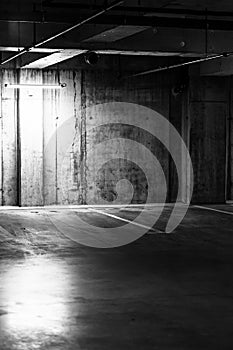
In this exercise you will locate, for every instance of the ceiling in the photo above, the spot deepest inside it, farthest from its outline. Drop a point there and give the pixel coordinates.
(36, 34)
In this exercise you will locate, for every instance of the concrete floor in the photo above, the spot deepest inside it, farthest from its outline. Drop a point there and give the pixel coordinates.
(161, 292)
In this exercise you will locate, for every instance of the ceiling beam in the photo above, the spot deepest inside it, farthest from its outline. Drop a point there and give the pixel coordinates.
(163, 40)
(52, 59)
(33, 54)
(138, 9)
(116, 33)
(116, 20)
(191, 42)
(146, 53)
(156, 21)
(42, 50)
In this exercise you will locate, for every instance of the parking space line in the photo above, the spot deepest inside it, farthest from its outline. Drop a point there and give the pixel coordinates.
(212, 209)
(120, 219)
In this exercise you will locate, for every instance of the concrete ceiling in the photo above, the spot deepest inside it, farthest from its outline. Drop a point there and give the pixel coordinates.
(186, 28)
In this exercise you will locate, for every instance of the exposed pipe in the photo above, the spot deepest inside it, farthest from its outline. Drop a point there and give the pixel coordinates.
(67, 5)
(176, 22)
(160, 69)
(127, 19)
(42, 42)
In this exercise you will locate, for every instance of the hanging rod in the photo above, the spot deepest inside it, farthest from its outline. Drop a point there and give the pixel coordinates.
(45, 41)
(178, 65)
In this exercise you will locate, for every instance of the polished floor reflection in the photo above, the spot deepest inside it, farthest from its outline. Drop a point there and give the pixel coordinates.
(160, 292)
(34, 301)
(35, 291)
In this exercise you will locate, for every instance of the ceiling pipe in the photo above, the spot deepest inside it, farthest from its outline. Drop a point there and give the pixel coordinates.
(176, 22)
(42, 42)
(178, 65)
(132, 20)
(66, 5)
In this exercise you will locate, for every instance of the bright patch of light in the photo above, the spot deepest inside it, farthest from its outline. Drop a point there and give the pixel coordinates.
(35, 86)
(35, 295)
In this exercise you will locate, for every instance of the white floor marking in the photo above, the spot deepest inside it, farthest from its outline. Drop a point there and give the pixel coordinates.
(212, 209)
(120, 219)
(87, 206)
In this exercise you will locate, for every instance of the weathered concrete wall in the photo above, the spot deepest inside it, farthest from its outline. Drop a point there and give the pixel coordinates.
(47, 173)
(8, 145)
(32, 173)
(209, 112)
(153, 92)
(102, 88)
(230, 143)
(31, 140)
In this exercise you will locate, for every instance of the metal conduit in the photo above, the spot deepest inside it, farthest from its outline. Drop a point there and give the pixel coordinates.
(173, 66)
(42, 42)
(144, 9)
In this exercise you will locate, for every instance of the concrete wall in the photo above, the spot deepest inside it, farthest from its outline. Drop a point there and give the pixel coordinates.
(209, 135)
(230, 144)
(42, 163)
(34, 168)
(8, 148)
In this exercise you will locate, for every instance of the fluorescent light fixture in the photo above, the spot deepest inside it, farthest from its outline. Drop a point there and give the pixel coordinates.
(39, 86)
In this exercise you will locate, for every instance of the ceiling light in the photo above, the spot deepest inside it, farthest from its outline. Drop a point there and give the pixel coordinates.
(39, 86)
